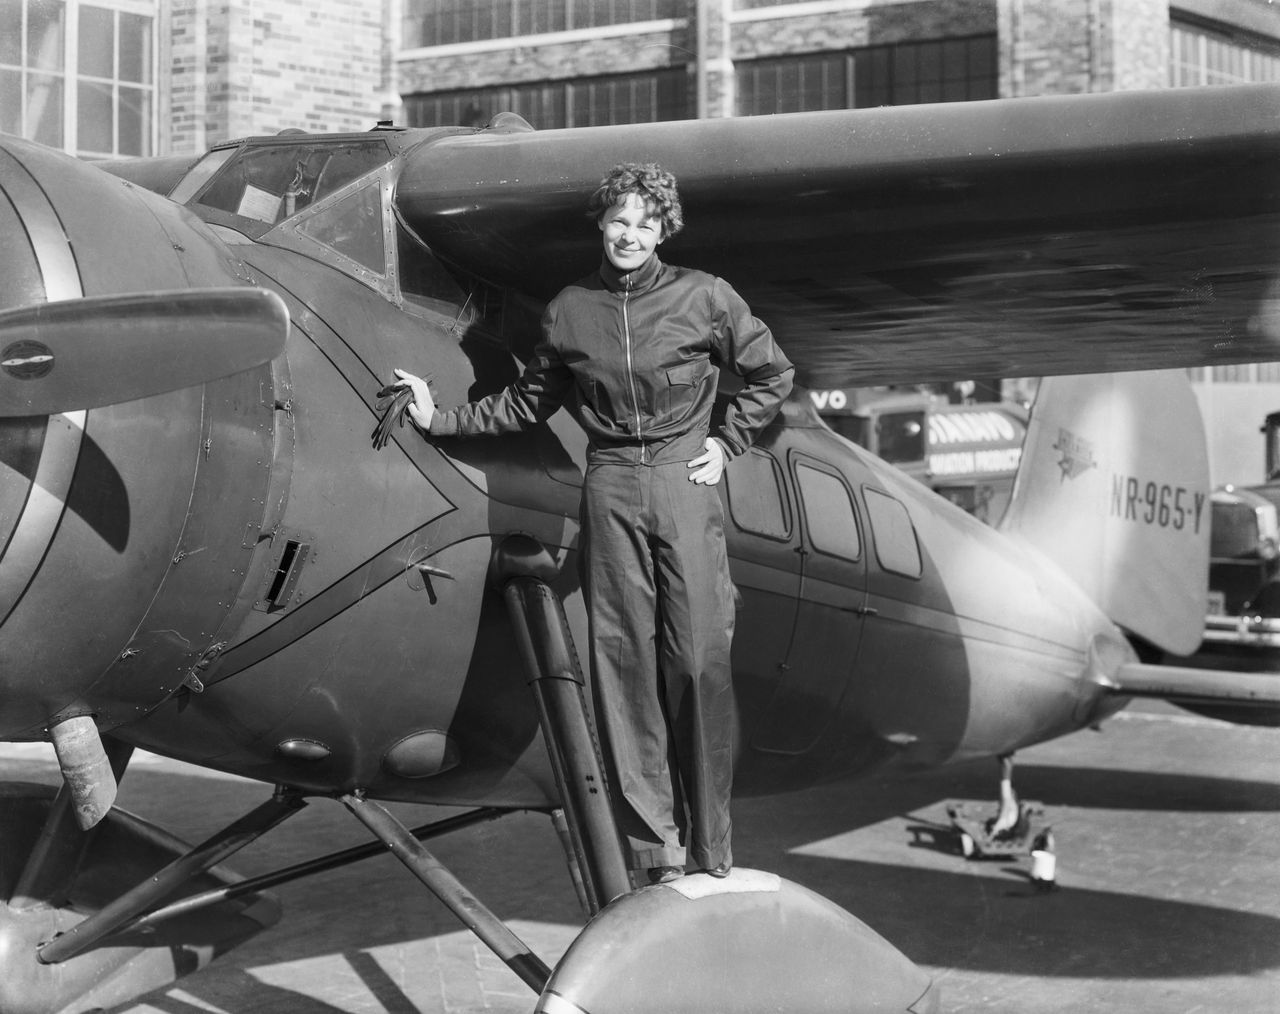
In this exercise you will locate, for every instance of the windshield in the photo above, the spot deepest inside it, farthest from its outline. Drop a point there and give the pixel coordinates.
(263, 184)
(329, 199)
(1243, 524)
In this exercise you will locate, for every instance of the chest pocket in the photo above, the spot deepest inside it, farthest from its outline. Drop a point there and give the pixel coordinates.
(681, 388)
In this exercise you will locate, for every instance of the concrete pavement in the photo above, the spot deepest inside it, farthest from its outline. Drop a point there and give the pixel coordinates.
(1168, 844)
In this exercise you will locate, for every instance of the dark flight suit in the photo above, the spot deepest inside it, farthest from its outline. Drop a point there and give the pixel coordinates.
(640, 353)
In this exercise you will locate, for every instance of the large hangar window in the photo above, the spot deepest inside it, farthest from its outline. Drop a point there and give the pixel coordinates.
(583, 102)
(78, 76)
(1203, 54)
(905, 73)
(445, 22)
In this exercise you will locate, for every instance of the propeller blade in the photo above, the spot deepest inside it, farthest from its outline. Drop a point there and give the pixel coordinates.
(103, 350)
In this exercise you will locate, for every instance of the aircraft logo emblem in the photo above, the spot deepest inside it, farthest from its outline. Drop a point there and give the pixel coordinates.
(1077, 454)
(27, 360)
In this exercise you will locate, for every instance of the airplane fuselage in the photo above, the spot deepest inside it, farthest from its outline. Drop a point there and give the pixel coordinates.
(238, 580)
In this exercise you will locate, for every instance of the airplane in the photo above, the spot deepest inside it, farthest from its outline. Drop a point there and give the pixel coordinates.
(202, 555)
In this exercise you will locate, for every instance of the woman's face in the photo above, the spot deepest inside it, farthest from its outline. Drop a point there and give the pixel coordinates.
(631, 233)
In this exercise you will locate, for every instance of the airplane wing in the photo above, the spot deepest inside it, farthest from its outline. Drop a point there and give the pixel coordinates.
(1023, 237)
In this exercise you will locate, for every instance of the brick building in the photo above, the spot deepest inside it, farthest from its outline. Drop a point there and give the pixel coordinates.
(130, 77)
(144, 77)
(577, 63)
(158, 77)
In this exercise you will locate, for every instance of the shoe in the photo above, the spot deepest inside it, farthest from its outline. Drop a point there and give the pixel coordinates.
(719, 872)
(665, 874)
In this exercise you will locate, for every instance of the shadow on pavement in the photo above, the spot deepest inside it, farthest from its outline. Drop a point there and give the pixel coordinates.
(981, 923)
(987, 919)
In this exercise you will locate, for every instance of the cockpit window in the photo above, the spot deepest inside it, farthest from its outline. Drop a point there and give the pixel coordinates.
(201, 173)
(423, 279)
(268, 183)
(353, 227)
(329, 200)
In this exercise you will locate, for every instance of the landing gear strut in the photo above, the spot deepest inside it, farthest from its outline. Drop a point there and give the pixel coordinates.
(751, 942)
(54, 955)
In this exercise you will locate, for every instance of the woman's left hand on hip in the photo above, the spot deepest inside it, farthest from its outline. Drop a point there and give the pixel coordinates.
(707, 468)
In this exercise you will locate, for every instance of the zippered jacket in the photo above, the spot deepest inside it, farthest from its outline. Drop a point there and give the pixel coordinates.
(637, 354)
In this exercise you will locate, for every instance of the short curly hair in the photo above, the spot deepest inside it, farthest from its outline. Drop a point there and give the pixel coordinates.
(648, 181)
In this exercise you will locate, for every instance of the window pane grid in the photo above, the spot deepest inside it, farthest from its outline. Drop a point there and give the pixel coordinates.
(445, 22)
(1202, 57)
(86, 61)
(1244, 373)
(624, 98)
(951, 70)
(115, 97)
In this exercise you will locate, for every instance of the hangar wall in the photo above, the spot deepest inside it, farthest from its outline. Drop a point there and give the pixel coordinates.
(143, 77)
(240, 67)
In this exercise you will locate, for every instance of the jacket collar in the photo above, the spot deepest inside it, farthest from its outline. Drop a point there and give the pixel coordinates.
(639, 280)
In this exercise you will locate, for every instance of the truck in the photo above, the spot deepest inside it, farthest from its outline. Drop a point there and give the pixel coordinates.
(967, 453)
(1242, 615)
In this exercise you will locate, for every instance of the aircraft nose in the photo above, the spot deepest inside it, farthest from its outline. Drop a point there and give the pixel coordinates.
(115, 374)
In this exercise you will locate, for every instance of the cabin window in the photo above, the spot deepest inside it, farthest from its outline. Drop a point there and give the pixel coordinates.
(829, 513)
(757, 497)
(897, 549)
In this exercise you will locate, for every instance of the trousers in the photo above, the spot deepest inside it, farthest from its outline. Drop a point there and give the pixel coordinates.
(661, 614)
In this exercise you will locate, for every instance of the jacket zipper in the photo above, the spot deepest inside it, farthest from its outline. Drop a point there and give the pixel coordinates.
(631, 375)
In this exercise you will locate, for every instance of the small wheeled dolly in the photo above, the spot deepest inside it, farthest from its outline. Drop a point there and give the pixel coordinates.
(979, 841)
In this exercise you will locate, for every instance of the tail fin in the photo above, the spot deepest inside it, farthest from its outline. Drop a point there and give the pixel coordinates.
(1114, 487)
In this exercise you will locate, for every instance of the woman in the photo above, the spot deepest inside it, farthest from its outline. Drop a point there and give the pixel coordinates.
(637, 344)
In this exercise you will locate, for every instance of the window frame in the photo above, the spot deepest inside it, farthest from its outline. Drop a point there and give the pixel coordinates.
(815, 465)
(1259, 56)
(556, 104)
(784, 498)
(868, 492)
(883, 74)
(67, 82)
(425, 24)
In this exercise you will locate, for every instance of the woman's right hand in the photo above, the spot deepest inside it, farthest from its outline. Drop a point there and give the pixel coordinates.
(423, 406)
